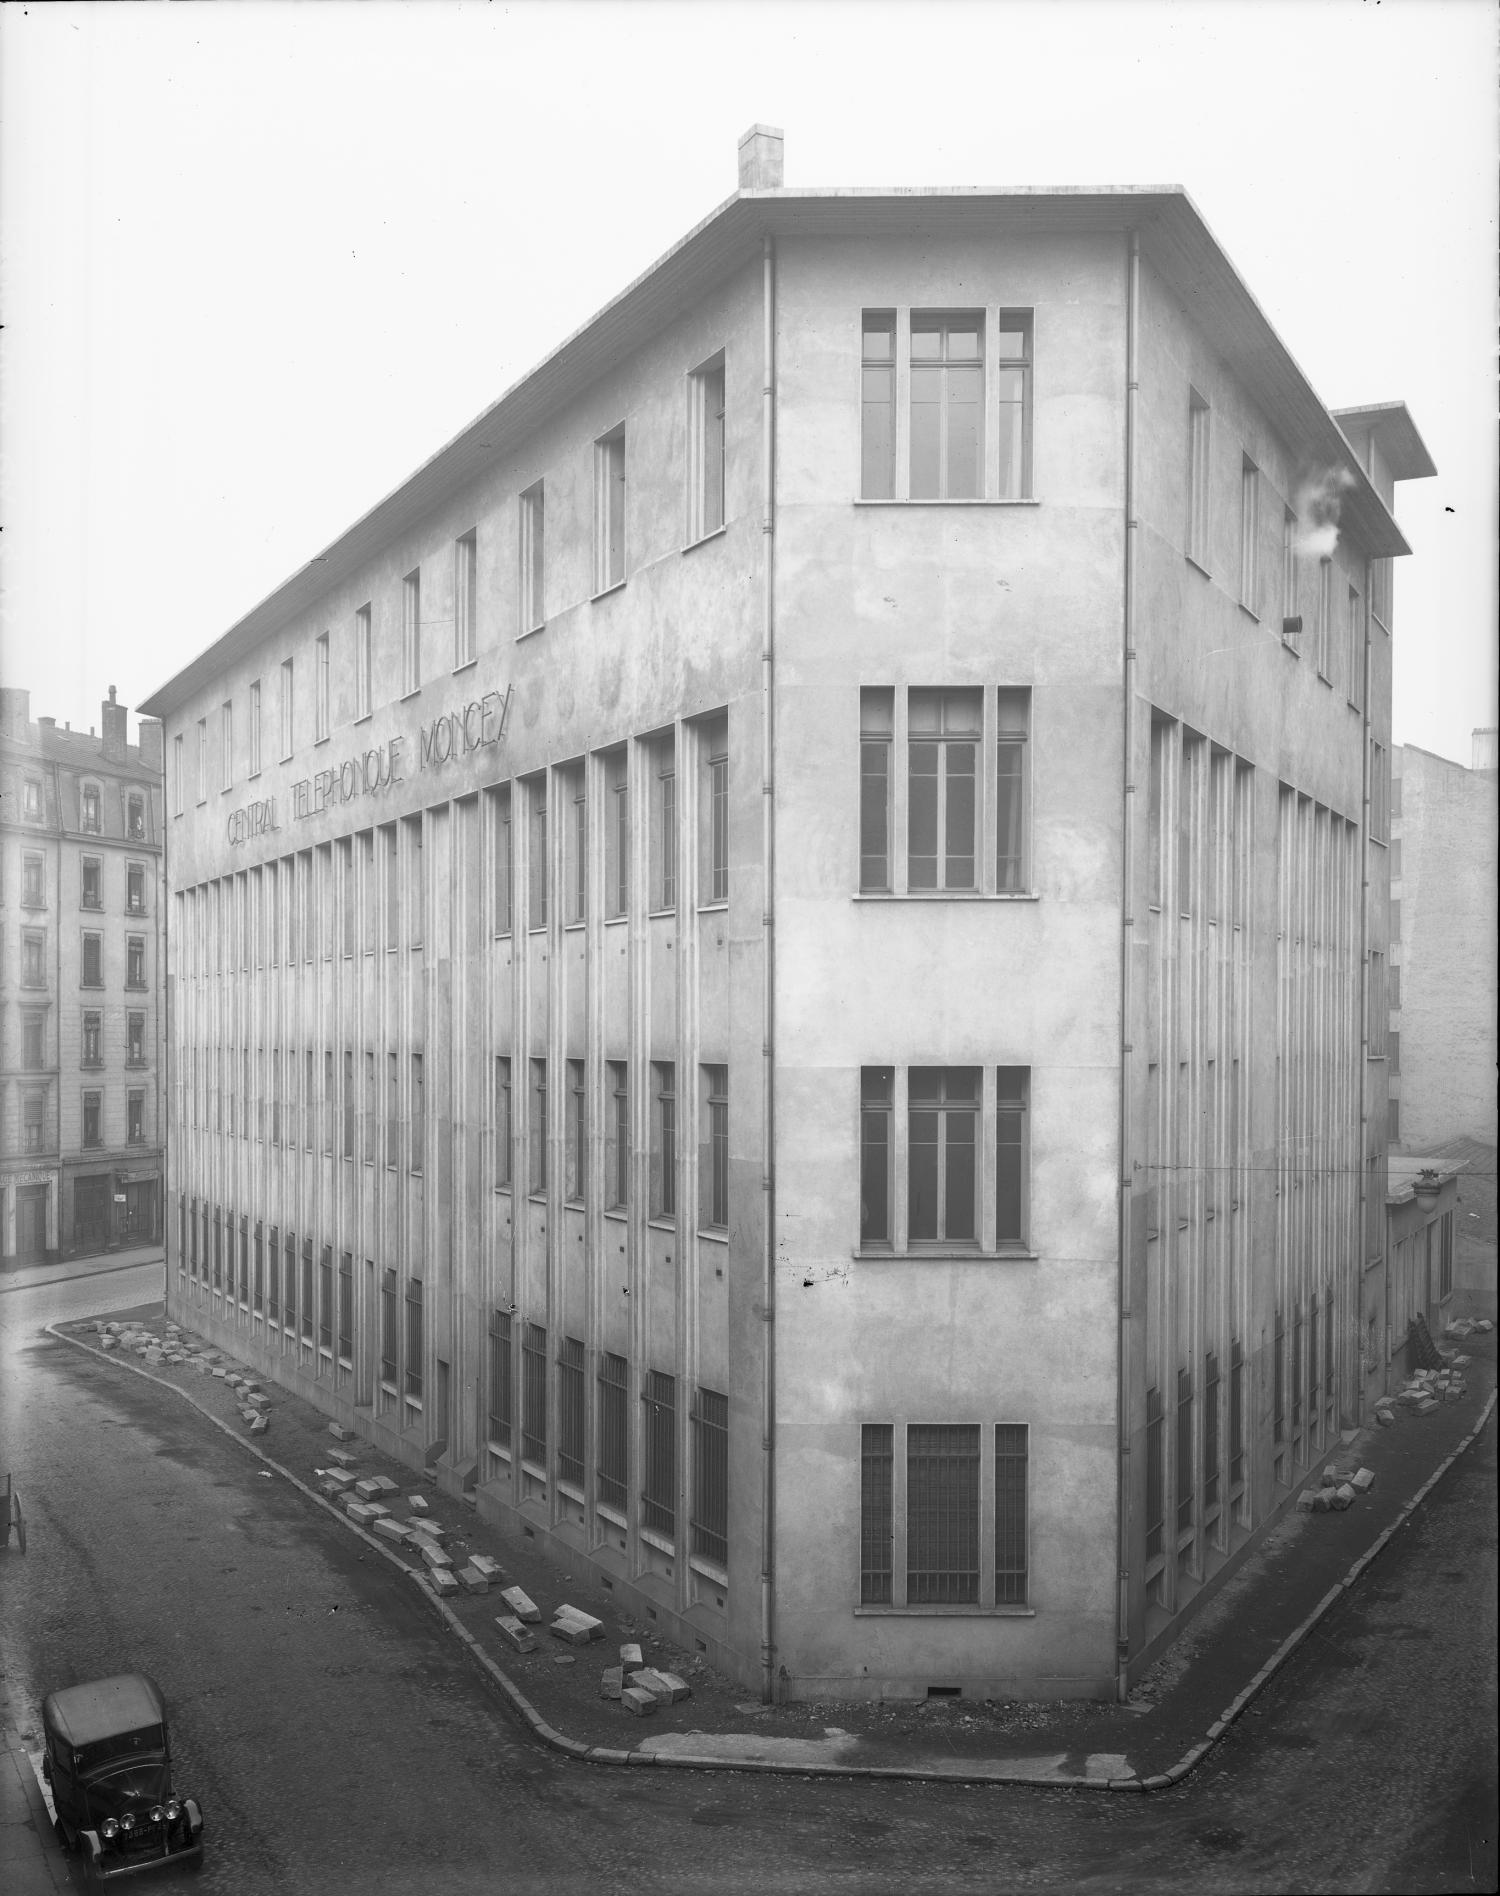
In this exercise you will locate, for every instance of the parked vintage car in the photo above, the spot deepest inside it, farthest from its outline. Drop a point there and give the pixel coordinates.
(106, 1766)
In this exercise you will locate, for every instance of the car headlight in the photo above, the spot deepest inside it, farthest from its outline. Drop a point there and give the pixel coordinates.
(173, 1810)
(109, 1828)
(127, 1820)
(157, 1813)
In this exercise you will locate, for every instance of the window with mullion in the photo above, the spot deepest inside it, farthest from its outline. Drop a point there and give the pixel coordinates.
(659, 1486)
(570, 1406)
(613, 1471)
(1011, 1094)
(944, 730)
(1013, 721)
(942, 1514)
(501, 1389)
(943, 1106)
(947, 406)
(1011, 1564)
(1013, 404)
(876, 1513)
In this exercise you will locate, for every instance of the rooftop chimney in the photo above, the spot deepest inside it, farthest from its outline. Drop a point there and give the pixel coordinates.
(113, 727)
(148, 736)
(760, 158)
(1486, 748)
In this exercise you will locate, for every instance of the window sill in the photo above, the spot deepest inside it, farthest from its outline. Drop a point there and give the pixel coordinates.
(708, 1570)
(1324, 679)
(661, 914)
(715, 533)
(944, 895)
(573, 1492)
(575, 927)
(364, 717)
(619, 1213)
(612, 1515)
(531, 632)
(945, 1612)
(1197, 565)
(611, 919)
(946, 1254)
(1250, 612)
(407, 696)
(659, 1222)
(659, 1541)
(714, 1234)
(714, 908)
(615, 585)
(1019, 500)
(319, 742)
(467, 664)
(534, 1469)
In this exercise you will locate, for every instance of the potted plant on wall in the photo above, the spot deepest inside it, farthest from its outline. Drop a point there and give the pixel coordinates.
(1427, 1184)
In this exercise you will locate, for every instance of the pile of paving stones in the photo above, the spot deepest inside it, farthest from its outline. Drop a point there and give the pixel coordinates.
(1337, 1489)
(1468, 1326)
(1426, 1390)
(176, 1347)
(641, 1688)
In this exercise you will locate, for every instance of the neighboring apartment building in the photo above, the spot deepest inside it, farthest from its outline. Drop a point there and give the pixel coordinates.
(769, 974)
(1442, 955)
(80, 882)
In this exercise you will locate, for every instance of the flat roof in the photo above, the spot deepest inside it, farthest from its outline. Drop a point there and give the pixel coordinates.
(1392, 426)
(1173, 235)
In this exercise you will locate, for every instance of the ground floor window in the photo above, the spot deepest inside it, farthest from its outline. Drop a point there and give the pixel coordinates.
(923, 1494)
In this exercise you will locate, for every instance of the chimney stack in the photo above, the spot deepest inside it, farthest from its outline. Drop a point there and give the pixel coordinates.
(15, 713)
(1485, 743)
(149, 738)
(113, 727)
(761, 158)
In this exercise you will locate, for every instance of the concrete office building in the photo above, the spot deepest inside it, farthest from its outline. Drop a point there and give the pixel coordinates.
(768, 958)
(80, 880)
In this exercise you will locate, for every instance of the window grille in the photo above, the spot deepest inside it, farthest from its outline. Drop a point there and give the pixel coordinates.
(613, 1473)
(1010, 1513)
(1297, 1371)
(289, 1283)
(273, 1276)
(1236, 1414)
(1155, 1485)
(258, 1294)
(710, 1519)
(308, 1312)
(942, 1513)
(502, 1394)
(717, 1179)
(1184, 1450)
(1278, 1380)
(388, 1329)
(534, 1394)
(346, 1307)
(414, 1339)
(244, 1260)
(570, 1430)
(659, 1491)
(1210, 1431)
(876, 1513)
(325, 1298)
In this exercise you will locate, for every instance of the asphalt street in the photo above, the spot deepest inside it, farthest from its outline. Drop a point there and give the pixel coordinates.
(339, 1740)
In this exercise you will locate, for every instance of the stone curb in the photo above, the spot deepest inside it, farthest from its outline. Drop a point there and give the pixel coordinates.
(685, 1761)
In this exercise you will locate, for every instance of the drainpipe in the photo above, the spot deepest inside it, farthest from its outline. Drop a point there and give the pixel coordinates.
(1365, 787)
(768, 976)
(1127, 893)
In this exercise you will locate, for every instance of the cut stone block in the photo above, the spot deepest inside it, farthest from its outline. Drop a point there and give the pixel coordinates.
(340, 1477)
(358, 1511)
(471, 1579)
(611, 1682)
(340, 1433)
(325, 1486)
(109, 1343)
(260, 1425)
(1453, 1394)
(486, 1564)
(677, 1686)
(425, 1524)
(577, 1617)
(1426, 1406)
(570, 1632)
(522, 1605)
(379, 1512)
(443, 1583)
(384, 1484)
(435, 1557)
(342, 1457)
(648, 1679)
(1323, 1501)
(369, 1488)
(417, 1503)
(1308, 1499)
(634, 1700)
(1343, 1496)
(1385, 1418)
(631, 1656)
(563, 1659)
(1363, 1481)
(390, 1530)
(234, 1381)
(515, 1633)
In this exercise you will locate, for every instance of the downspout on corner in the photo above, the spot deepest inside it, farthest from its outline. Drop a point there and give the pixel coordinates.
(768, 973)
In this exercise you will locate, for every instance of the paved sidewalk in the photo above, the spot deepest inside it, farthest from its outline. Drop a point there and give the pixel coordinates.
(14, 1276)
(1174, 1715)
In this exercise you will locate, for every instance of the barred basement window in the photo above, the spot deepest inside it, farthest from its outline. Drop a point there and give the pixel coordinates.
(1155, 1485)
(570, 1430)
(534, 1394)
(388, 1331)
(308, 1313)
(1184, 1450)
(942, 1514)
(1011, 1446)
(1236, 1414)
(1210, 1433)
(346, 1309)
(876, 1515)
(659, 1487)
(502, 1393)
(414, 1343)
(710, 1516)
(613, 1472)
(325, 1299)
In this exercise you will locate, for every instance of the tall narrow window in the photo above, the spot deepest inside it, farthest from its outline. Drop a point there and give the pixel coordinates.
(1198, 483)
(578, 847)
(322, 687)
(346, 1310)
(618, 1154)
(876, 1103)
(348, 1104)
(93, 1040)
(1012, 1085)
(411, 632)
(609, 510)
(362, 661)
(1010, 1513)
(466, 599)
(255, 727)
(1291, 625)
(135, 1118)
(532, 558)
(203, 760)
(1013, 409)
(570, 1428)
(226, 745)
(504, 863)
(947, 406)
(1354, 645)
(663, 1139)
(1012, 866)
(715, 813)
(135, 819)
(135, 961)
(534, 1394)
(388, 1327)
(878, 405)
(876, 729)
(942, 1134)
(710, 1516)
(34, 882)
(942, 1514)
(1323, 631)
(392, 1111)
(612, 1475)
(943, 760)
(538, 1168)
(1249, 533)
(418, 1113)
(135, 889)
(714, 1166)
(92, 974)
(706, 449)
(501, 1391)
(876, 1513)
(576, 1136)
(536, 798)
(664, 828)
(178, 793)
(617, 835)
(659, 1486)
(502, 1111)
(414, 1359)
(286, 709)
(91, 808)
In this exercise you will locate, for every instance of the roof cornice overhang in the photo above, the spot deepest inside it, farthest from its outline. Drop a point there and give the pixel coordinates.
(1173, 235)
(1393, 428)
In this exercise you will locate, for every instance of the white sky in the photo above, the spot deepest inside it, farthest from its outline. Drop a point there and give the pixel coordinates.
(261, 259)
